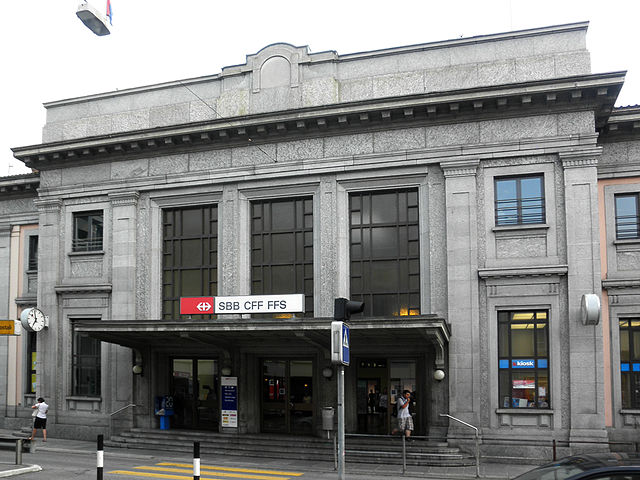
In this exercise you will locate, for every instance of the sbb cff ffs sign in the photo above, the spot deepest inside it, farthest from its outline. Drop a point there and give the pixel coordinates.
(196, 305)
(241, 304)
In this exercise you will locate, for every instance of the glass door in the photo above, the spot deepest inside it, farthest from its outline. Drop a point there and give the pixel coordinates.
(402, 377)
(195, 390)
(287, 396)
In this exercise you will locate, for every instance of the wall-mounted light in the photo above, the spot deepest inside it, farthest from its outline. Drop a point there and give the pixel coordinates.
(225, 371)
(327, 372)
(438, 375)
(137, 369)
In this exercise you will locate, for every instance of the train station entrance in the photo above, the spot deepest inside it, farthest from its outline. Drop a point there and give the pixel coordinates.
(195, 388)
(379, 382)
(287, 396)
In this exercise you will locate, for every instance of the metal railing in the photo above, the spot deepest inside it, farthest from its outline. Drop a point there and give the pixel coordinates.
(477, 439)
(111, 415)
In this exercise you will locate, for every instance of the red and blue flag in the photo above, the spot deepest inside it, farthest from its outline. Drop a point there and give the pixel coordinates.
(109, 12)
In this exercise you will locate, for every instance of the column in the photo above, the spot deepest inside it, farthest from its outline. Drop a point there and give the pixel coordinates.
(462, 288)
(586, 368)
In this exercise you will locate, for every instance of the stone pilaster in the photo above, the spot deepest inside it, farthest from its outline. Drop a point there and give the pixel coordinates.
(462, 287)
(123, 270)
(583, 258)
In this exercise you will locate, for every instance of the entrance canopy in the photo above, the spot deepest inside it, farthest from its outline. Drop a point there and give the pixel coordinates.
(410, 333)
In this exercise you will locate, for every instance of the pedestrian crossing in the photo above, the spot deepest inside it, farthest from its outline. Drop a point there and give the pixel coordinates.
(184, 471)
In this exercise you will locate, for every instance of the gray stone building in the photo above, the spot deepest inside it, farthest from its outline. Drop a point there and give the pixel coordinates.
(451, 186)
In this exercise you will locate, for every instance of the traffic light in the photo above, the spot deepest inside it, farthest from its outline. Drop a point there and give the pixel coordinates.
(343, 308)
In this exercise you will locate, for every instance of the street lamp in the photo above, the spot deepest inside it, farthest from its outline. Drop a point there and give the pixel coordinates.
(92, 19)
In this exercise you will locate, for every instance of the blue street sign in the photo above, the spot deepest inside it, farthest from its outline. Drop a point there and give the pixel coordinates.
(346, 340)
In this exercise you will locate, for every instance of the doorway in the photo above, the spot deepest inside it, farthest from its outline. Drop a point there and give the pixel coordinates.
(379, 382)
(287, 396)
(195, 389)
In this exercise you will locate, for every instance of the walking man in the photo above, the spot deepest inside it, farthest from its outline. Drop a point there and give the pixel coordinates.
(405, 420)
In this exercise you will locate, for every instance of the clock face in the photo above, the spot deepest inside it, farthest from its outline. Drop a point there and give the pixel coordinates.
(33, 319)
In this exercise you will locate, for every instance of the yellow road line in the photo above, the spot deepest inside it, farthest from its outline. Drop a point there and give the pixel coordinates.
(232, 469)
(219, 474)
(157, 475)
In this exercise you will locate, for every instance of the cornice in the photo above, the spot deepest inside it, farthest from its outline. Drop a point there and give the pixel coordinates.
(460, 168)
(621, 284)
(124, 198)
(583, 157)
(536, 271)
(590, 92)
(48, 204)
(84, 288)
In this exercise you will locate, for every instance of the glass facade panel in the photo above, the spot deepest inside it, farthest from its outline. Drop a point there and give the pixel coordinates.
(190, 256)
(385, 252)
(86, 366)
(523, 361)
(282, 248)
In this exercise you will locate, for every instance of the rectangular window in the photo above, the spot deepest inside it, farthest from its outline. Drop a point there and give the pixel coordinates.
(630, 362)
(519, 200)
(189, 257)
(87, 231)
(282, 248)
(32, 357)
(523, 359)
(385, 252)
(33, 253)
(627, 222)
(86, 365)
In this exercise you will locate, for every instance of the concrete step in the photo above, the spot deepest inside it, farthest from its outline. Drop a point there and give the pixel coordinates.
(383, 449)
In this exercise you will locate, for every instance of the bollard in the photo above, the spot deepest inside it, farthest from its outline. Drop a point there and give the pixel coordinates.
(404, 452)
(196, 460)
(19, 451)
(100, 457)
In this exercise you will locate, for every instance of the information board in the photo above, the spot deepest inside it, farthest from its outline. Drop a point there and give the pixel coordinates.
(229, 396)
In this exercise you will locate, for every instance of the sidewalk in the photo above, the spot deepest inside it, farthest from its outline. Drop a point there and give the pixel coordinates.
(488, 471)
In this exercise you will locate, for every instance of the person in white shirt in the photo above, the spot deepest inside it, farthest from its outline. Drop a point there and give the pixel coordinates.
(41, 419)
(405, 420)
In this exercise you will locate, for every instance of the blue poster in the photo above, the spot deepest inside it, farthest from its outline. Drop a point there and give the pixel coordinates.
(229, 397)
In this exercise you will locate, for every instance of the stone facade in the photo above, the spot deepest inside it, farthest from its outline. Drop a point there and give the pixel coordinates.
(446, 119)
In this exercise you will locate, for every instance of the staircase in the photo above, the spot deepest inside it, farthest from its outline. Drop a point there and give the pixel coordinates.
(371, 449)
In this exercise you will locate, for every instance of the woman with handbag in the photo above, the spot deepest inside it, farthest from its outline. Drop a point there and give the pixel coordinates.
(40, 414)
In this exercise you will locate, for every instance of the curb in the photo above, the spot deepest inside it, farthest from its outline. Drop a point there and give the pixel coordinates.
(20, 470)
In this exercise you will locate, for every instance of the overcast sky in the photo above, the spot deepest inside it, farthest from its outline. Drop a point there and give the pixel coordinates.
(48, 54)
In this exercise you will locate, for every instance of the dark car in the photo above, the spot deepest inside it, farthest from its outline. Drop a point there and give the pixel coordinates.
(600, 466)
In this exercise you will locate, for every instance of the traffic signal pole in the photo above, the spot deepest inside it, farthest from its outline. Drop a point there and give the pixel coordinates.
(341, 446)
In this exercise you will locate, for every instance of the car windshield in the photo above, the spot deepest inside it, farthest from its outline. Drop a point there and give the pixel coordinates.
(552, 472)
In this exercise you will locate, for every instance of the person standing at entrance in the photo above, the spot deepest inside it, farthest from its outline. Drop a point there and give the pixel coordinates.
(405, 421)
(41, 419)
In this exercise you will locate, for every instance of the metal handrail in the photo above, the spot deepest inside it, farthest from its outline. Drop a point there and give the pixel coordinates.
(116, 412)
(477, 439)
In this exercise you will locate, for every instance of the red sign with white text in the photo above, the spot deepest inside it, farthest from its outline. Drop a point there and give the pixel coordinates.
(196, 305)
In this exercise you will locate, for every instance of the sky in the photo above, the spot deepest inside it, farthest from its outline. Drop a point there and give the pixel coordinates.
(48, 54)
